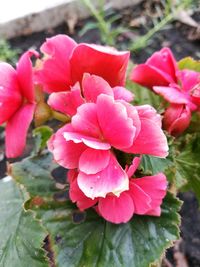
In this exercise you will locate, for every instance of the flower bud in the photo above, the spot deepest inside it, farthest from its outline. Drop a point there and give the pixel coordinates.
(176, 119)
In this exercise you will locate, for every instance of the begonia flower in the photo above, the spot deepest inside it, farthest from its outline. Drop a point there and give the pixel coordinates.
(17, 103)
(160, 69)
(65, 63)
(143, 197)
(181, 88)
(99, 127)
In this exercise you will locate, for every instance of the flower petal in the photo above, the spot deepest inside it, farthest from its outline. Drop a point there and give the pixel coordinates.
(16, 130)
(133, 167)
(112, 179)
(142, 201)
(86, 122)
(155, 187)
(148, 76)
(151, 140)
(10, 95)
(88, 141)
(116, 126)
(188, 79)
(66, 153)
(93, 86)
(25, 75)
(148, 112)
(105, 62)
(123, 94)
(93, 161)
(164, 61)
(116, 209)
(172, 95)
(57, 52)
(66, 102)
(76, 195)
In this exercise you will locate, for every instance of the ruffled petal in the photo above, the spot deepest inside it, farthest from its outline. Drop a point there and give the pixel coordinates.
(55, 72)
(93, 86)
(25, 75)
(66, 153)
(93, 161)
(116, 209)
(148, 112)
(88, 141)
(133, 167)
(172, 95)
(123, 94)
(151, 140)
(112, 179)
(117, 128)
(76, 195)
(16, 130)
(66, 102)
(86, 122)
(142, 201)
(188, 78)
(155, 187)
(102, 61)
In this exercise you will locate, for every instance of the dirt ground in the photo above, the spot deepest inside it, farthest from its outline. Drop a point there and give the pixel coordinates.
(184, 41)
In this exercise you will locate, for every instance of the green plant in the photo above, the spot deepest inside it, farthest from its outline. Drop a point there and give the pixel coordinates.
(105, 25)
(171, 9)
(7, 53)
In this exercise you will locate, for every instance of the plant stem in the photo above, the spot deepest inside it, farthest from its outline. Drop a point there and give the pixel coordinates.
(142, 41)
(60, 117)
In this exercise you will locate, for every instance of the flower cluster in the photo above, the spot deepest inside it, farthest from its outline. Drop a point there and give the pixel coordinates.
(181, 88)
(103, 143)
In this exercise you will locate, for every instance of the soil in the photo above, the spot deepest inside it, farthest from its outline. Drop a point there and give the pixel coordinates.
(176, 36)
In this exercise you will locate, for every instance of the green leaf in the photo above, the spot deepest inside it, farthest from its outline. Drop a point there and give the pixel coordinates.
(42, 135)
(88, 27)
(95, 242)
(153, 165)
(189, 63)
(35, 174)
(91, 241)
(21, 235)
(188, 164)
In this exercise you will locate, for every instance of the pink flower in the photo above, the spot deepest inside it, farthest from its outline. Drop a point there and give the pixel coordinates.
(160, 69)
(68, 61)
(180, 88)
(98, 126)
(17, 103)
(143, 197)
(92, 86)
(183, 98)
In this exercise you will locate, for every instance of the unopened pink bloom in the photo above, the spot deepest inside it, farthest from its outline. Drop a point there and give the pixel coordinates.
(143, 197)
(160, 69)
(176, 119)
(68, 61)
(17, 103)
